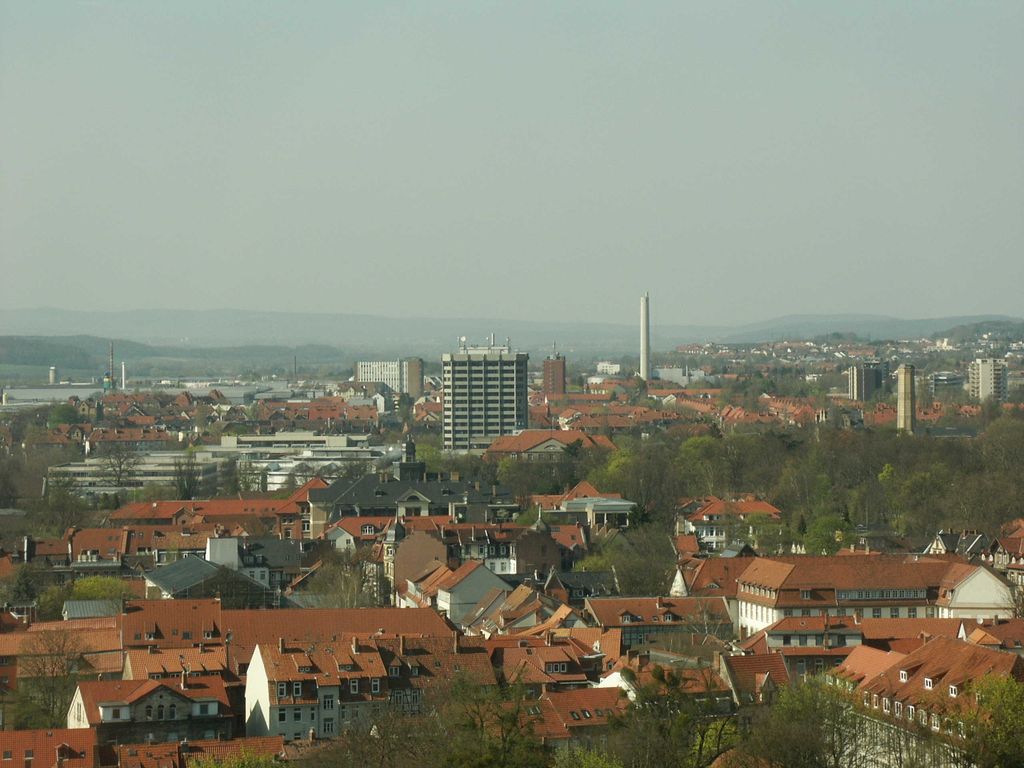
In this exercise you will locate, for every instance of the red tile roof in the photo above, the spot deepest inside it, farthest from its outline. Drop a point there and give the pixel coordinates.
(531, 439)
(47, 748)
(97, 692)
(748, 674)
(563, 715)
(612, 611)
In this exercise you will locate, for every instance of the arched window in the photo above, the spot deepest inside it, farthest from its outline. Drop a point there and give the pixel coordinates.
(174, 711)
(149, 711)
(160, 712)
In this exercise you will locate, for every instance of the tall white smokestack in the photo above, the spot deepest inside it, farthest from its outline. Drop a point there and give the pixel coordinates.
(645, 337)
(124, 377)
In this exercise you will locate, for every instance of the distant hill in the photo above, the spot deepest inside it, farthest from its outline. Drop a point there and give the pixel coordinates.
(174, 333)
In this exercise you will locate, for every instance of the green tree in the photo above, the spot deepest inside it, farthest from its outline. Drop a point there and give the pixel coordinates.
(243, 759)
(996, 731)
(100, 588)
(186, 476)
(119, 462)
(809, 726)
(585, 758)
(827, 534)
(489, 728)
(23, 591)
(65, 413)
(48, 666)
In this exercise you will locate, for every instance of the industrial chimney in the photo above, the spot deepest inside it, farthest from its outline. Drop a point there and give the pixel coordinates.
(645, 337)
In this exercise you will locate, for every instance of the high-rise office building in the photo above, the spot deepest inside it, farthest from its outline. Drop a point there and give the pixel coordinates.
(865, 379)
(906, 400)
(987, 378)
(554, 374)
(485, 394)
(402, 376)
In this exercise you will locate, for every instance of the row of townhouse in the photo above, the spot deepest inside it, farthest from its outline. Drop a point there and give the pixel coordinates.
(299, 689)
(918, 705)
(876, 586)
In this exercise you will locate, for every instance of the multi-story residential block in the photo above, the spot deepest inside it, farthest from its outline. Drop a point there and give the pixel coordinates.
(136, 711)
(877, 586)
(485, 395)
(717, 522)
(554, 375)
(918, 705)
(609, 368)
(294, 689)
(866, 379)
(987, 378)
(453, 593)
(642, 619)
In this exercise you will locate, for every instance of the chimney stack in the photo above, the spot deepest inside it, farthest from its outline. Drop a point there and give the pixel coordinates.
(355, 645)
(401, 645)
(280, 645)
(645, 337)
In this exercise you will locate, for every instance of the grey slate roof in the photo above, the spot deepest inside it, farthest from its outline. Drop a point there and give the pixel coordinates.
(183, 574)
(90, 609)
(370, 492)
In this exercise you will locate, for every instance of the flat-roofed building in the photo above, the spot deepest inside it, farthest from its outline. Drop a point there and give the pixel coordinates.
(987, 378)
(485, 395)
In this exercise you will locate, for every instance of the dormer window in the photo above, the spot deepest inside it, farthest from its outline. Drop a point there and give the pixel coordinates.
(927, 683)
(903, 675)
(394, 670)
(805, 594)
(953, 691)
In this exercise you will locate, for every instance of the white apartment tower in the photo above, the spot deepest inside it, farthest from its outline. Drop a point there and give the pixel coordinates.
(402, 376)
(485, 394)
(645, 337)
(906, 400)
(987, 378)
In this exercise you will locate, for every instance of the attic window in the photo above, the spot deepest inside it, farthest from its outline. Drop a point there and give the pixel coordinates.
(805, 594)
(927, 683)
(586, 714)
(953, 691)
(575, 715)
(903, 675)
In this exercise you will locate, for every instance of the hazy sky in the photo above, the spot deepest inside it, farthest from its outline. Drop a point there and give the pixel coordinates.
(516, 159)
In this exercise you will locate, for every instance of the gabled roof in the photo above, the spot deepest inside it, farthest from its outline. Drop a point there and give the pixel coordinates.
(249, 628)
(864, 664)
(171, 623)
(743, 508)
(181, 754)
(748, 674)
(144, 663)
(658, 611)
(183, 574)
(534, 439)
(125, 692)
(562, 715)
(940, 663)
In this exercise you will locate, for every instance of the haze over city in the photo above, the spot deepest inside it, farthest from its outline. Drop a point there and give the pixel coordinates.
(521, 161)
